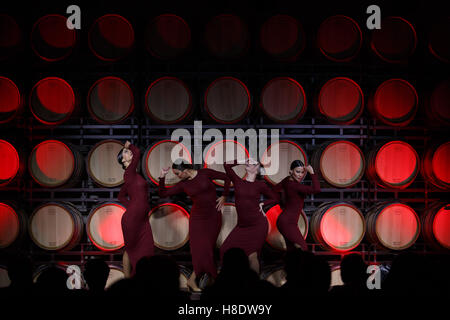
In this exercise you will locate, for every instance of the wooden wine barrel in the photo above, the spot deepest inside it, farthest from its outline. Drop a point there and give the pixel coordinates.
(56, 226)
(278, 166)
(51, 40)
(274, 237)
(341, 163)
(10, 99)
(229, 222)
(13, 224)
(223, 151)
(392, 225)
(52, 101)
(438, 106)
(435, 166)
(435, 223)
(283, 100)
(110, 100)
(170, 226)
(226, 36)
(276, 275)
(160, 155)
(185, 273)
(339, 38)
(5, 281)
(394, 103)
(438, 40)
(337, 226)
(102, 165)
(53, 163)
(10, 36)
(104, 226)
(340, 101)
(282, 37)
(227, 100)
(168, 100)
(111, 37)
(11, 163)
(168, 36)
(115, 274)
(394, 164)
(396, 41)
(336, 279)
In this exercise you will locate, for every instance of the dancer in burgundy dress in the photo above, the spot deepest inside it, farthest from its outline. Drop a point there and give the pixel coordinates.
(205, 219)
(136, 229)
(295, 193)
(251, 230)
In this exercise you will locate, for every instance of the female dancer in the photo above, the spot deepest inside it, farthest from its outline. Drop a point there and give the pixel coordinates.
(136, 229)
(251, 230)
(295, 193)
(205, 220)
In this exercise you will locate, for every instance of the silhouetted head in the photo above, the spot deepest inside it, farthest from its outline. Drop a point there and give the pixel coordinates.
(20, 270)
(52, 280)
(158, 274)
(234, 260)
(353, 268)
(96, 274)
(181, 168)
(297, 170)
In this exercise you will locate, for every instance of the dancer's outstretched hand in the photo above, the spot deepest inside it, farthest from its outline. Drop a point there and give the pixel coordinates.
(220, 203)
(164, 172)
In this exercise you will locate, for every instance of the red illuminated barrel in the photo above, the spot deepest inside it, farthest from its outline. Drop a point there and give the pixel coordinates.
(170, 226)
(229, 222)
(340, 101)
(104, 226)
(341, 163)
(283, 100)
(222, 151)
(111, 37)
(394, 164)
(11, 163)
(226, 36)
(163, 154)
(435, 166)
(338, 226)
(56, 226)
(438, 43)
(167, 36)
(394, 103)
(274, 237)
(52, 101)
(53, 163)
(438, 107)
(13, 224)
(168, 100)
(278, 158)
(282, 37)
(10, 100)
(110, 100)
(102, 165)
(392, 225)
(339, 38)
(51, 40)
(227, 100)
(396, 41)
(10, 36)
(436, 225)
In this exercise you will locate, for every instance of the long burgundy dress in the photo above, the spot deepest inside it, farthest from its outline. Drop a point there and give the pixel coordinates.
(251, 230)
(287, 222)
(136, 229)
(205, 220)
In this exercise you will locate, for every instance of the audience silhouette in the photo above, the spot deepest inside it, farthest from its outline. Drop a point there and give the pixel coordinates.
(96, 274)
